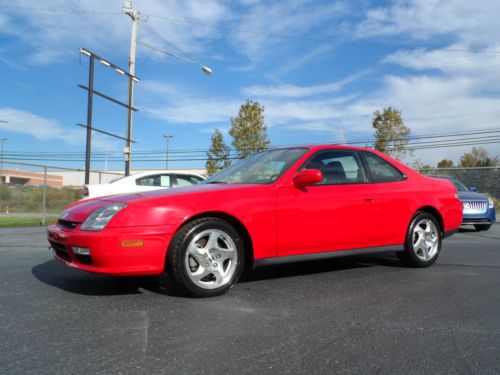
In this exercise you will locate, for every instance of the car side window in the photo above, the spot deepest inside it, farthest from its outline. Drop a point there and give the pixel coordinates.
(338, 167)
(158, 180)
(381, 170)
(184, 180)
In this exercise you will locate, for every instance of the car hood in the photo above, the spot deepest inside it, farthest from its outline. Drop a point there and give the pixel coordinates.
(471, 195)
(173, 192)
(79, 211)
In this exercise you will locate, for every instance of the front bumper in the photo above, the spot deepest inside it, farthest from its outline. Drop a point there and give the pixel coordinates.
(107, 256)
(489, 217)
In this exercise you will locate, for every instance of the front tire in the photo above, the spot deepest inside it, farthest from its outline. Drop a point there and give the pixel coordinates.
(205, 258)
(423, 241)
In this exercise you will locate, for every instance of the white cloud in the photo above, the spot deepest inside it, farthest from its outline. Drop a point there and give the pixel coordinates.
(453, 59)
(287, 90)
(286, 18)
(190, 110)
(46, 129)
(91, 23)
(468, 21)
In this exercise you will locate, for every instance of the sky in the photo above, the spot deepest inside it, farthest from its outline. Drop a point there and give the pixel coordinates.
(319, 68)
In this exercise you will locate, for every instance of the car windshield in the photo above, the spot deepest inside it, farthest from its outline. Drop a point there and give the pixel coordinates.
(459, 185)
(261, 168)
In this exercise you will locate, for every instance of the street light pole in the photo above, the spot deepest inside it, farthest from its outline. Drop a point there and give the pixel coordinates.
(167, 137)
(128, 8)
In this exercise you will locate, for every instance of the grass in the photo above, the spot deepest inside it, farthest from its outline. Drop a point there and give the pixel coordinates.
(25, 221)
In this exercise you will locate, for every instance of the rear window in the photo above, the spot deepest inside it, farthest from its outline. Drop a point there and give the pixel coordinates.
(381, 170)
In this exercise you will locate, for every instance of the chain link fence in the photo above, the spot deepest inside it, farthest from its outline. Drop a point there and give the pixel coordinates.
(32, 194)
(36, 194)
(485, 180)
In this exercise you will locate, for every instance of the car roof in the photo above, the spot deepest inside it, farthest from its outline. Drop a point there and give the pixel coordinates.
(323, 146)
(170, 172)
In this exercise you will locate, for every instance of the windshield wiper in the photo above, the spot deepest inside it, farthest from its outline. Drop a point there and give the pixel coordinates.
(217, 182)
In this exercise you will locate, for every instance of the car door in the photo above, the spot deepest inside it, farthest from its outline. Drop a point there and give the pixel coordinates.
(392, 198)
(335, 214)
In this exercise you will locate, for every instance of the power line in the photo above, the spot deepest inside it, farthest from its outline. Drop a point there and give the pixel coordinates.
(412, 146)
(298, 37)
(158, 35)
(55, 10)
(244, 31)
(465, 136)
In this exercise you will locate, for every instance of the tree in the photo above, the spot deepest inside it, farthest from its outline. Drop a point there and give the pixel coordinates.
(218, 154)
(445, 163)
(391, 134)
(419, 165)
(248, 129)
(478, 157)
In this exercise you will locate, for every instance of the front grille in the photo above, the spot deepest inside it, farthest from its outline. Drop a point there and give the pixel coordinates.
(60, 250)
(66, 224)
(475, 207)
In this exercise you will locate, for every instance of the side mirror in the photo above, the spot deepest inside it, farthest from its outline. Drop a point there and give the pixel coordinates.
(307, 177)
(472, 188)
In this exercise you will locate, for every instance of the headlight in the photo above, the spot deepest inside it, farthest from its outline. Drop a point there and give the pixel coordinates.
(98, 219)
(491, 204)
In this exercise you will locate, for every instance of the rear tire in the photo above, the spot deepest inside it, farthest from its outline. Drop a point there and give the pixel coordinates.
(423, 241)
(205, 258)
(482, 227)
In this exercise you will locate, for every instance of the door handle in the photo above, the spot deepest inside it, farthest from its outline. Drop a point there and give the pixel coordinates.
(368, 200)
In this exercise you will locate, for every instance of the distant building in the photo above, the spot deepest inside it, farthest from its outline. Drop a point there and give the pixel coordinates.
(16, 177)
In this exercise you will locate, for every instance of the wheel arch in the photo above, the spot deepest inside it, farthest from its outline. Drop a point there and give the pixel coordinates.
(434, 212)
(237, 224)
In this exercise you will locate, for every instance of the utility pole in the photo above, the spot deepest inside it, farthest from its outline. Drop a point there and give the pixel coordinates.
(89, 120)
(167, 137)
(1, 158)
(128, 8)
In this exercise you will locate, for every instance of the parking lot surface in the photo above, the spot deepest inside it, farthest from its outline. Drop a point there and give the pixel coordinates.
(351, 315)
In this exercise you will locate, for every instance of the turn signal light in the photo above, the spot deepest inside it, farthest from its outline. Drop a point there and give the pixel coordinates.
(132, 243)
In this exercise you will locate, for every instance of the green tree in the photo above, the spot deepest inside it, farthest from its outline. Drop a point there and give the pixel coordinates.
(478, 157)
(445, 163)
(391, 134)
(419, 165)
(218, 154)
(248, 129)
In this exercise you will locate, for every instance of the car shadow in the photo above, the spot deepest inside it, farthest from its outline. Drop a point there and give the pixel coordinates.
(321, 266)
(79, 282)
(467, 230)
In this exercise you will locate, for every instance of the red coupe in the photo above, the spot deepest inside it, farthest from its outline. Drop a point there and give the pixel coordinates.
(281, 205)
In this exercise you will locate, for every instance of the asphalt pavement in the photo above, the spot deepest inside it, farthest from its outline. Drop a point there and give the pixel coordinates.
(341, 316)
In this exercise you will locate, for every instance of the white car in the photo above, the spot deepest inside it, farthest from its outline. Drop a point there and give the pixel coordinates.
(145, 181)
